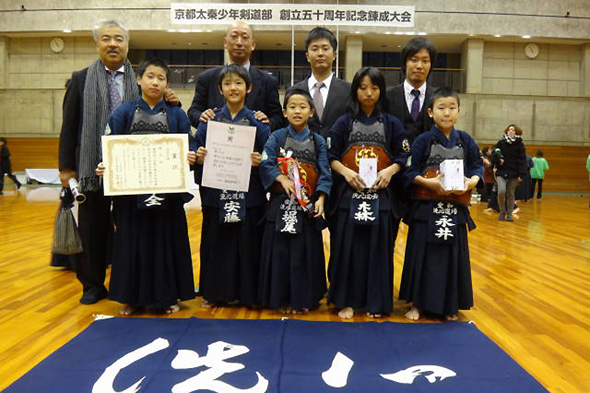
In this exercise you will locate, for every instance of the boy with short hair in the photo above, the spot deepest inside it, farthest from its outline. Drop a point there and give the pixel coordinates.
(436, 276)
(292, 273)
(230, 249)
(152, 263)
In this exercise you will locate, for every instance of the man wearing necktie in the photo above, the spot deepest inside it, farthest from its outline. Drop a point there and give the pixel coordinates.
(329, 93)
(92, 94)
(409, 100)
(263, 99)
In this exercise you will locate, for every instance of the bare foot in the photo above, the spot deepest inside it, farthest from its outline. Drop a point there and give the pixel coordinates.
(452, 317)
(206, 304)
(374, 315)
(346, 313)
(413, 314)
(172, 309)
(285, 310)
(127, 311)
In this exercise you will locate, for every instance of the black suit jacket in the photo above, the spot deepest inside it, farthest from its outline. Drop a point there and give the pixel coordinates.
(264, 96)
(71, 126)
(335, 105)
(399, 108)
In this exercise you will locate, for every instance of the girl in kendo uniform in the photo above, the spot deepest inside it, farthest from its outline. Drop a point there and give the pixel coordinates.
(364, 217)
(436, 276)
(152, 264)
(231, 231)
(295, 171)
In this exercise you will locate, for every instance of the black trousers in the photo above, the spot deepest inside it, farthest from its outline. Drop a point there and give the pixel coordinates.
(539, 190)
(11, 176)
(95, 227)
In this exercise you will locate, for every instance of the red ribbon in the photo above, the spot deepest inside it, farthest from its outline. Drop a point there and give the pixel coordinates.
(284, 164)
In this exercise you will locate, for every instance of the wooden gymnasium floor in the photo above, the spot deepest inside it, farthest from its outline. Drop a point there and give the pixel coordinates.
(531, 282)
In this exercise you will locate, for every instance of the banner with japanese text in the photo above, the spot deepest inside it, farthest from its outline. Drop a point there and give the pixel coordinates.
(292, 14)
(159, 355)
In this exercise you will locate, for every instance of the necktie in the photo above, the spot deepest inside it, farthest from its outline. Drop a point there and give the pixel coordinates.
(415, 104)
(114, 96)
(318, 101)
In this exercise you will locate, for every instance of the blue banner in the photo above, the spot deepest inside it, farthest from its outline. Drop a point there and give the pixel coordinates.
(148, 355)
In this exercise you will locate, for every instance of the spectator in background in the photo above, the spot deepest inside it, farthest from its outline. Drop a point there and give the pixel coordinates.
(540, 165)
(524, 189)
(588, 169)
(6, 165)
(488, 175)
(511, 169)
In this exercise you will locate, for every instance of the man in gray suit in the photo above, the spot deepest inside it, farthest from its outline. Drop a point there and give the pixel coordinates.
(328, 92)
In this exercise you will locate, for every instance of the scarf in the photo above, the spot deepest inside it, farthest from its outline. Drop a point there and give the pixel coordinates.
(511, 139)
(95, 116)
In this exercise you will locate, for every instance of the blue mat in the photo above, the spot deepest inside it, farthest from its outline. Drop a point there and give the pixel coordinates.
(289, 356)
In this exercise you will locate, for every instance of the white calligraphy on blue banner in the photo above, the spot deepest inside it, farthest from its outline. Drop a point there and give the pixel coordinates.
(217, 366)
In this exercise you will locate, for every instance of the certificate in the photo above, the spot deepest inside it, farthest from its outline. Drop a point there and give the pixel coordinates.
(453, 178)
(368, 171)
(145, 164)
(228, 161)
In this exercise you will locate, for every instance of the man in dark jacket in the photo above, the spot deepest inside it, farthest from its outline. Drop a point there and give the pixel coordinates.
(328, 91)
(91, 96)
(263, 99)
(409, 101)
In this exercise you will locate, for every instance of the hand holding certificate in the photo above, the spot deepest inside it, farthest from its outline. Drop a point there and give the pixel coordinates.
(368, 171)
(228, 161)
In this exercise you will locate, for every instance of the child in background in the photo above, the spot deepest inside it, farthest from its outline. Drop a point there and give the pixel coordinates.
(436, 275)
(364, 217)
(152, 263)
(6, 165)
(540, 165)
(292, 273)
(230, 246)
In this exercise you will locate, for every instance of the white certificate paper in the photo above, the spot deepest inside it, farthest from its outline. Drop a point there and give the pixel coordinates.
(453, 178)
(228, 161)
(368, 171)
(145, 164)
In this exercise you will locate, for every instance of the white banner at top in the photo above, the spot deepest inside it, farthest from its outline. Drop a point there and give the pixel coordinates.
(292, 14)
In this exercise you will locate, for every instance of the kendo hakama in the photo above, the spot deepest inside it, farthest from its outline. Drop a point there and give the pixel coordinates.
(230, 239)
(152, 263)
(293, 265)
(362, 240)
(436, 275)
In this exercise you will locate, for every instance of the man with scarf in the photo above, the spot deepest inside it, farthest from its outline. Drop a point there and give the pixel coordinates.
(91, 96)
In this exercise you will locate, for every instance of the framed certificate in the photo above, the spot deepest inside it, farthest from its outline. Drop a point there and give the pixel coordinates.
(145, 164)
(228, 161)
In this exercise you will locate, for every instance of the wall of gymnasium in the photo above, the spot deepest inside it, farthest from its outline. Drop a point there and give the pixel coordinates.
(549, 97)
(543, 95)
